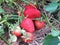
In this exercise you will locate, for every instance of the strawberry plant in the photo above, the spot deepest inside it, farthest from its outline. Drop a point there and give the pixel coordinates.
(24, 21)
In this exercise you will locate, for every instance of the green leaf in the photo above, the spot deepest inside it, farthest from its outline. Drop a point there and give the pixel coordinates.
(1, 1)
(21, 18)
(11, 0)
(13, 38)
(54, 0)
(55, 32)
(12, 16)
(58, 15)
(26, 1)
(59, 5)
(0, 18)
(1, 10)
(1, 30)
(50, 40)
(51, 7)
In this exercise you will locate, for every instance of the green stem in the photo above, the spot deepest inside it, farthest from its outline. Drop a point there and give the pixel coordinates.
(47, 20)
(56, 20)
(3, 21)
(4, 40)
(25, 1)
(43, 3)
(36, 3)
(7, 24)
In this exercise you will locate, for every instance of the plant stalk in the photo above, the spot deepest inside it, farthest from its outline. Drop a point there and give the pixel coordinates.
(37, 3)
(4, 40)
(47, 20)
(3, 21)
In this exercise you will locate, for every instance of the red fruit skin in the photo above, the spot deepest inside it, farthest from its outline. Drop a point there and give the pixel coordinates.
(28, 41)
(39, 24)
(30, 38)
(28, 25)
(30, 7)
(32, 13)
(16, 32)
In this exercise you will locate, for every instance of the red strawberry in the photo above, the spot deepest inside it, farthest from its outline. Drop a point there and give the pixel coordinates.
(39, 24)
(28, 38)
(32, 13)
(25, 40)
(30, 6)
(16, 32)
(28, 25)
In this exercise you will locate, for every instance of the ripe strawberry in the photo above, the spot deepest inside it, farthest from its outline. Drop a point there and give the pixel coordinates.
(39, 24)
(31, 6)
(28, 25)
(28, 38)
(16, 32)
(32, 13)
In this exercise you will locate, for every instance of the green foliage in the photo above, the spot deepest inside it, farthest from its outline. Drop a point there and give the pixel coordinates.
(1, 1)
(50, 40)
(13, 38)
(11, 1)
(26, 1)
(59, 5)
(1, 30)
(51, 7)
(1, 10)
(21, 18)
(54, 0)
(15, 17)
(59, 11)
(12, 16)
(58, 15)
(55, 32)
